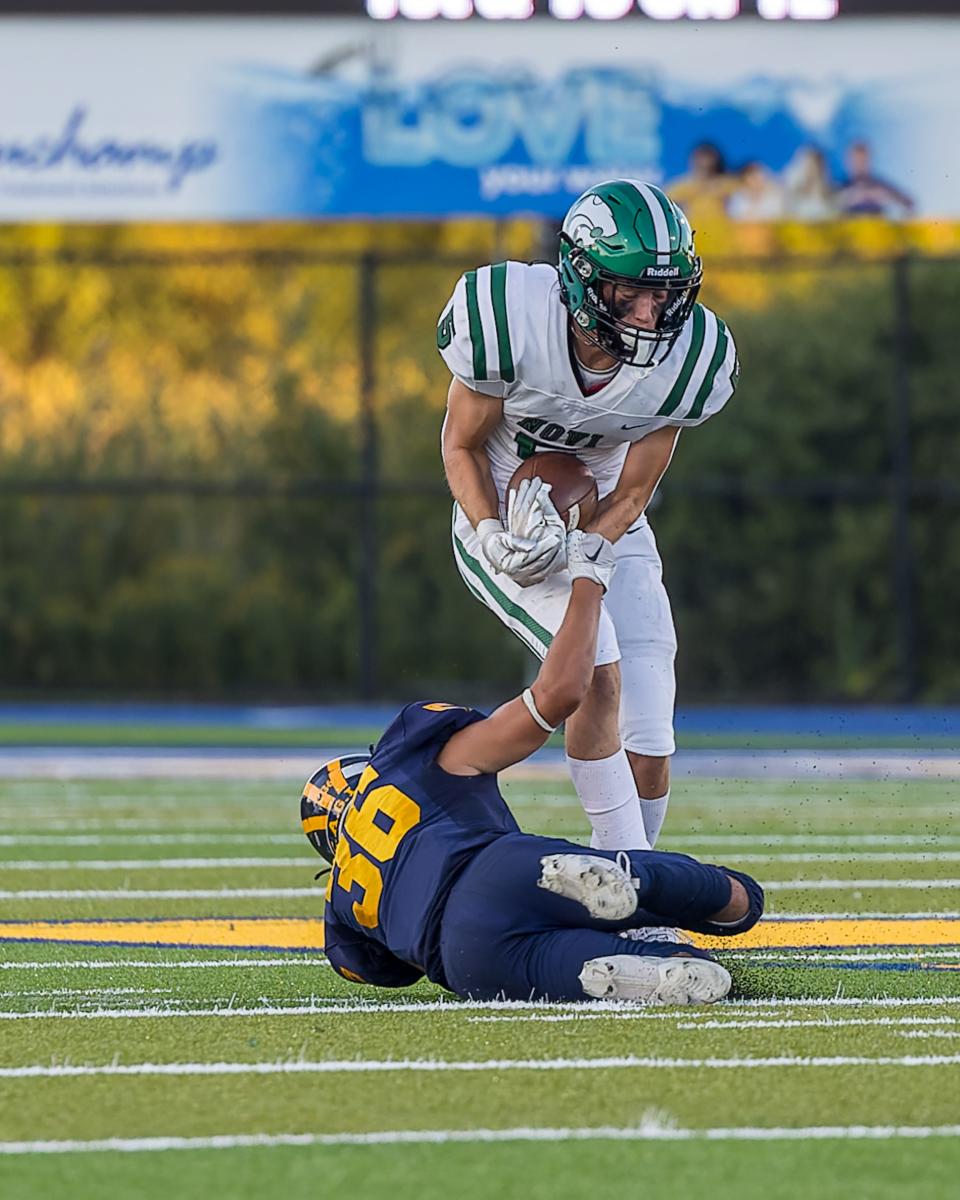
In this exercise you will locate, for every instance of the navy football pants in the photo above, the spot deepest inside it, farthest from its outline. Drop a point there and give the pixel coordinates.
(502, 936)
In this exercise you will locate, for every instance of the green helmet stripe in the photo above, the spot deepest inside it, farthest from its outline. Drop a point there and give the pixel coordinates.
(719, 354)
(643, 217)
(476, 328)
(498, 296)
(672, 401)
(659, 215)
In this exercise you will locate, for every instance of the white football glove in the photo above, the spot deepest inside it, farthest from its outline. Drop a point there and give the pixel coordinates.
(590, 556)
(503, 550)
(531, 515)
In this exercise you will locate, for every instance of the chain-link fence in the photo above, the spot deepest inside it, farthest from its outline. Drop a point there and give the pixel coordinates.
(221, 473)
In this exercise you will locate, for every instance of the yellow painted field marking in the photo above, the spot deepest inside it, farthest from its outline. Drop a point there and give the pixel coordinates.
(796, 935)
(280, 933)
(296, 933)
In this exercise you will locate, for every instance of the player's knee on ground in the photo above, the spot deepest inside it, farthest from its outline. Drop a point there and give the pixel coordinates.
(745, 907)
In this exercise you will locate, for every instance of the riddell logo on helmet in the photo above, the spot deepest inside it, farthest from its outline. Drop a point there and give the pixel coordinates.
(661, 272)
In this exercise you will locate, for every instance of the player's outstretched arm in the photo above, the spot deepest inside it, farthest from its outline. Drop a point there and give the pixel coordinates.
(523, 724)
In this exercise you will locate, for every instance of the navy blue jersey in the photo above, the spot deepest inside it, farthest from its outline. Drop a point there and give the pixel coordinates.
(408, 833)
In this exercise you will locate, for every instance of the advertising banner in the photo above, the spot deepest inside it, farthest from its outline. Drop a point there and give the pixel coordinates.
(112, 119)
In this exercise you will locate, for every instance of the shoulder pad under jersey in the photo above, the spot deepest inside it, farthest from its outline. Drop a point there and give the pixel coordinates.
(481, 330)
(707, 370)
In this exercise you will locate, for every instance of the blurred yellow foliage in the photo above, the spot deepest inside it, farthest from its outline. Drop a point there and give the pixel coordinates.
(176, 348)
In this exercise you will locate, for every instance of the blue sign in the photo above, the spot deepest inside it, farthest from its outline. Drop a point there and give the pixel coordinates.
(478, 140)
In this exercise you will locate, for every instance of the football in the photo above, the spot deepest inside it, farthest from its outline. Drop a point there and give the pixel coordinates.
(573, 487)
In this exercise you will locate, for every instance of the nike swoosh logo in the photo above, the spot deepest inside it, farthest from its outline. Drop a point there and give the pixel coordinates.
(593, 557)
(640, 426)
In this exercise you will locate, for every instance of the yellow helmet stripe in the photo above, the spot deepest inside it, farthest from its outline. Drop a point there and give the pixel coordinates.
(335, 772)
(314, 824)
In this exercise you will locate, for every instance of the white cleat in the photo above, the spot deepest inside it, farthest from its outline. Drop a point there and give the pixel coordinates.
(652, 980)
(656, 933)
(603, 888)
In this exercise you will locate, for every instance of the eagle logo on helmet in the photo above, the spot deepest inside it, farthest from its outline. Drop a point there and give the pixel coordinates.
(590, 219)
(325, 799)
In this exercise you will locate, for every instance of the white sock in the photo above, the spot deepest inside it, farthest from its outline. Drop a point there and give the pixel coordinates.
(654, 812)
(609, 797)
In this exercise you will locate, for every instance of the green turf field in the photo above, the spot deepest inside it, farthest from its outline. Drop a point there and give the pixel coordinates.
(833, 1073)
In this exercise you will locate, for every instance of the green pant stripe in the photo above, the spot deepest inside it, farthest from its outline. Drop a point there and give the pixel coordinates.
(518, 633)
(476, 328)
(498, 297)
(719, 354)
(503, 600)
(672, 401)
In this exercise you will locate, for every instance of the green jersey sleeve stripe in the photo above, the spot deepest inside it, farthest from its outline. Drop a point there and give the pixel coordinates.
(502, 599)
(476, 328)
(672, 401)
(498, 296)
(719, 354)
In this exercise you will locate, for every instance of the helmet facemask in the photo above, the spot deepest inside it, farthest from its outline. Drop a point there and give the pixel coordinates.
(599, 312)
(327, 795)
(626, 233)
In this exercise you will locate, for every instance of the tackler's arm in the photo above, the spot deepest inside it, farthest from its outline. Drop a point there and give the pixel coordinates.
(523, 724)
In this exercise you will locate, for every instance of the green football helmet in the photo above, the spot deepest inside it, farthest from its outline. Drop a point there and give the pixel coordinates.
(628, 234)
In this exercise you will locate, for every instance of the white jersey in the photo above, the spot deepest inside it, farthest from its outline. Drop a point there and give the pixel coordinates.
(504, 334)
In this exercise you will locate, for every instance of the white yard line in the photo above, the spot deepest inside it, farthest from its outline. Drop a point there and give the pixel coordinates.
(314, 959)
(302, 862)
(374, 1066)
(162, 893)
(213, 821)
(108, 964)
(137, 837)
(873, 915)
(824, 1023)
(649, 1131)
(830, 840)
(524, 1010)
(790, 885)
(152, 839)
(894, 954)
(929, 1033)
(852, 857)
(89, 992)
(827, 885)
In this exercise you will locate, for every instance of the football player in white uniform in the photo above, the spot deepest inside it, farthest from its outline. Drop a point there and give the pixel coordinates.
(608, 357)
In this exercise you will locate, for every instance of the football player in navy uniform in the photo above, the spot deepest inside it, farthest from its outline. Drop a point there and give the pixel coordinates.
(432, 876)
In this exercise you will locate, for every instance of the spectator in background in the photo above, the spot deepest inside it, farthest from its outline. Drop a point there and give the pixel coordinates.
(705, 189)
(808, 189)
(864, 194)
(758, 196)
